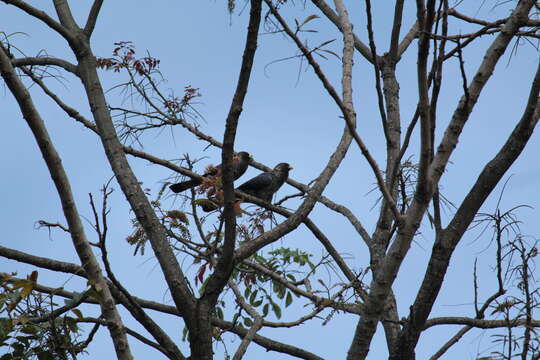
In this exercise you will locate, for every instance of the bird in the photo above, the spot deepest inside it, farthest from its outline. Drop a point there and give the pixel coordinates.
(265, 185)
(240, 165)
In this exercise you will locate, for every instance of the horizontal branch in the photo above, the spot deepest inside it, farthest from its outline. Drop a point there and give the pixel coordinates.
(155, 160)
(42, 262)
(267, 343)
(129, 331)
(481, 323)
(45, 61)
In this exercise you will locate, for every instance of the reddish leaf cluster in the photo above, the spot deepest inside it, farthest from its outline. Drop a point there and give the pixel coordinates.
(124, 57)
(248, 278)
(200, 274)
(176, 105)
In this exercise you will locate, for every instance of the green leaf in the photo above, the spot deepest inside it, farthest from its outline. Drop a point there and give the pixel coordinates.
(78, 313)
(276, 309)
(288, 299)
(253, 296)
(18, 351)
(265, 309)
(281, 292)
(23, 339)
(45, 355)
(71, 323)
(93, 294)
(184, 333)
(29, 329)
(178, 215)
(206, 203)
(248, 322)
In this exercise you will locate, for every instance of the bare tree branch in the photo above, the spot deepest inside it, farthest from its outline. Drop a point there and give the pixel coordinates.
(45, 61)
(63, 187)
(225, 263)
(383, 280)
(446, 243)
(479, 323)
(120, 292)
(64, 14)
(332, 16)
(129, 184)
(92, 17)
(41, 15)
(396, 27)
(350, 118)
(129, 331)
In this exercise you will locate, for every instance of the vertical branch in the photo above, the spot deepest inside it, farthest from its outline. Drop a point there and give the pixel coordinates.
(63, 187)
(64, 14)
(436, 75)
(122, 295)
(92, 17)
(525, 278)
(225, 264)
(380, 287)
(347, 110)
(257, 324)
(348, 52)
(154, 229)
(425, 20)
(396, 28)
(450, 237)
(377, 71)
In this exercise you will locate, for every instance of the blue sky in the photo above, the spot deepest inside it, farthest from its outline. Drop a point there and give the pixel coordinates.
(287, 117)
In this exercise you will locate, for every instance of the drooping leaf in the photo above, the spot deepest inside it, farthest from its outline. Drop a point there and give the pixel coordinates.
(248, 322)
(72, 324)
(45, 355)
(178, 215)
(309, 18)
(184, 333)
(78, 313)
(288, 299)
(276, 309)
(253, 296)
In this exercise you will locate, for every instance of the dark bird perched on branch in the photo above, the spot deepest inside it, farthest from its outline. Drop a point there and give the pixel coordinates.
(240, 165)
(265, 185)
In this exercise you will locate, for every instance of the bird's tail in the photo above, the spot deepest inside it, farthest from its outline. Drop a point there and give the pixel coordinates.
(184, 185)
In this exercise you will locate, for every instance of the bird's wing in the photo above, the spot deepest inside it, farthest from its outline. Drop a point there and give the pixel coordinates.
(258, 182)
(240, 167)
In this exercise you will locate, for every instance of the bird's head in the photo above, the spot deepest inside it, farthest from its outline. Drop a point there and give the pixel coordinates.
(283, 167)
(244, 156)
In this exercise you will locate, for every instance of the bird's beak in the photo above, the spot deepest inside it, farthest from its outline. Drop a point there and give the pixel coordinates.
(250, 157)
(290, 167)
